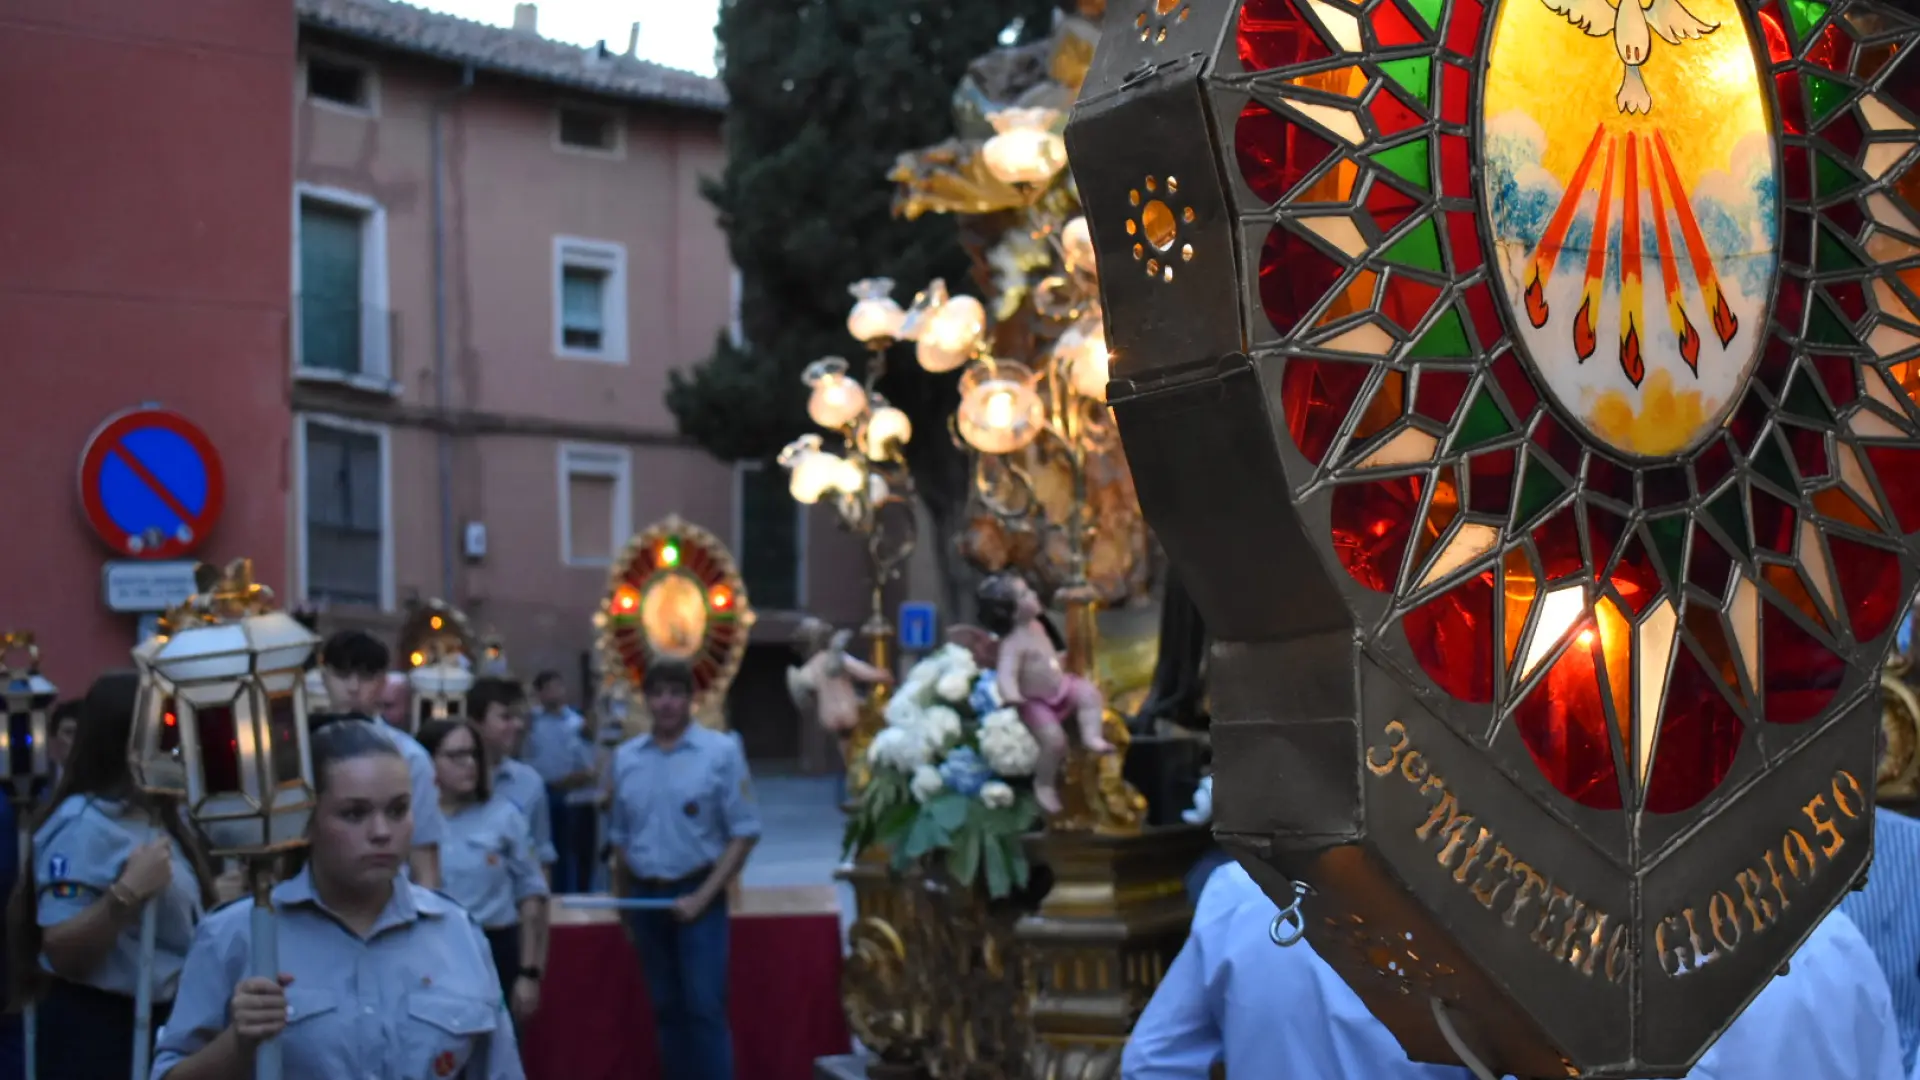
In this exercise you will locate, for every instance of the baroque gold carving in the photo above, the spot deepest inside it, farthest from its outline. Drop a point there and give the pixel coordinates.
(1898, 777)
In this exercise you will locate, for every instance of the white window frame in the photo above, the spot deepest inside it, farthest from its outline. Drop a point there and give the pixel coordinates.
(372, 74)
(596, 459)
(609, 258)
(376, 332)
(802, 520)
(361, 427)
(613, 115)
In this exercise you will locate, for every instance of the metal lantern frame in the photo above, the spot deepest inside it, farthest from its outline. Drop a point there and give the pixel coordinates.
(29, 699)
(1277, 381)
(441, 653)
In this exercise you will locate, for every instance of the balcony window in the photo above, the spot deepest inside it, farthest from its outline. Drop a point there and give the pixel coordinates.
(344, 509)
(342, 331)
(590, 300)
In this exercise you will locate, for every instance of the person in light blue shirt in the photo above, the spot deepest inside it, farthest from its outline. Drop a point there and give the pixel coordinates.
(489, 864)
(682, 822)
(1273, 1013)
(494, 706)
(381, 979)
(558, 748)
(1887, 912)
(353, 668)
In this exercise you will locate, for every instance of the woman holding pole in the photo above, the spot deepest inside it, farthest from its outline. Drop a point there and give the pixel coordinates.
(380, 978)
(105, 859)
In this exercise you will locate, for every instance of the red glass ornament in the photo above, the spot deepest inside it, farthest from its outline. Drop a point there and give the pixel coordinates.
(1456, 167)
(1564, 724)
(1275, 153)
(1407, 300)
(1439, 393)
(1392, 29)
(1557, 540)
(1389, 205)
(1633, 576)
(1294, 275)
(1452, 638)
(1371, 524)
(1456, 93)
(1318, 395)
(1490, 482)
(1522, 398)
(1898, 468)
(1869, 582)
(1271, 34)
(1698, 740)
(1798, 675)
(219, 746)
(1463, 237)
(1391, 115)
(1463, 27)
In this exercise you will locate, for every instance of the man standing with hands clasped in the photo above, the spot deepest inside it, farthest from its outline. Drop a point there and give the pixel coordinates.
(682, 822)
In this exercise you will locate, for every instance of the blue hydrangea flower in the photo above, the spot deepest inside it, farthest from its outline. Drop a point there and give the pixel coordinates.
(964, 772)
(986, 694)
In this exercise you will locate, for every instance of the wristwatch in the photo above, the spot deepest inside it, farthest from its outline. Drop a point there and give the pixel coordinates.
(530, 973)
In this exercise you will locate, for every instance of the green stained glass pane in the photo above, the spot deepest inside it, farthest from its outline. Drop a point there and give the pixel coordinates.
(1447, 337)
(1824, 95)
(1830, 177)
(1803, 400)
(1484, 423)
(1669, 544)
(1825, 328)
(1805, 14)
(1420, 248)
(1769, 462)
(1409, 162)
(1834, 254)
(1538, 489)
(1729, 512)
(1429, 10)
(1415, 73)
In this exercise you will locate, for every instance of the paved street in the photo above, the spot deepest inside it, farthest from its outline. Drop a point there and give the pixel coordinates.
(800, 842)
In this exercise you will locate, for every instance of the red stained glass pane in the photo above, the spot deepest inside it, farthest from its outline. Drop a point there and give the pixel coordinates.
(1456, 166)
(1558, 542)
(1851, 298)
(1439, 394)
(1790, 302)
(1708, 564)
(1713, 465)
(1898, 468)
(1796, 172)
(1392, 28)
(1294, 275)
(1869, 582)
(283, 733)
(1272, 34)
(1633, 576)
(1663, 487)
(1798, 675)
(1776, 362)
(1830, 48)
(1521, 396)
(1392, 115)
(1275, 153)
(1809, 452)
(1452, 637)
(1793, 110)
(1773, 522)
(1389, 205)
(1699, 738)
(219, 747)
(1747, 422)
(1604, 529)
(1371, 525)
(1408, 300)
(1318, 395)
(1564, 725)
(1847, 215)
(1773, 28)
(1563, 448)
(1843, 131)
(1612, 479)
(1490, 482)
(1463, 236)
(169, 726)
(1455, 93)
(1463, 27)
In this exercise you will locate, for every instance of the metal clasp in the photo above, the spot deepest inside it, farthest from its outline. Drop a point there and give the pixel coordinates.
(1290, 925)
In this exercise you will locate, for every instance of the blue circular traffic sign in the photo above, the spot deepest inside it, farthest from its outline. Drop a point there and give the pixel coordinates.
(151, 483)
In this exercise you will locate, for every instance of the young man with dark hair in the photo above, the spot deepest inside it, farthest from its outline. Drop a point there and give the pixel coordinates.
(682, 822)
(494, 706)
(557, 748)
(353, 664)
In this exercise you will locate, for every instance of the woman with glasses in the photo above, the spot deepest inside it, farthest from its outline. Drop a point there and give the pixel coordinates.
(487, 863)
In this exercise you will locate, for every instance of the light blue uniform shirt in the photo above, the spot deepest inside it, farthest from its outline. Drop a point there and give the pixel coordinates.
(416, 999)
(429, 827)
(78, 853)
(1282, 1014)
(1887, 912)
(517, 783)
(675, 810)
(487, 862)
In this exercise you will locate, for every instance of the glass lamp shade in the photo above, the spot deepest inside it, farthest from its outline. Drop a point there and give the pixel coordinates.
(875, 316)
(925, 303)
(837, 400)
(1025, 149)
(1000, 412)
(809, 469)
(1081, 353)
(886, 429)
(1076, 244)
(440, 689)
(23, 741)
(951, 334)
(223, 720)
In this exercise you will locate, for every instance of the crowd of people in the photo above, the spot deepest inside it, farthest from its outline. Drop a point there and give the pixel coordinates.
(413, 926)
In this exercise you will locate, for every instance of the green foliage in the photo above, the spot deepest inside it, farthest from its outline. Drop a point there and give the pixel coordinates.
(824, 95)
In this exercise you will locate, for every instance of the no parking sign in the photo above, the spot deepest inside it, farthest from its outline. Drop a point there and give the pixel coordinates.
(151, 483)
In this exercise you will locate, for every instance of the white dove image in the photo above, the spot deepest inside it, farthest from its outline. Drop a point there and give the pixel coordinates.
(1633, 29)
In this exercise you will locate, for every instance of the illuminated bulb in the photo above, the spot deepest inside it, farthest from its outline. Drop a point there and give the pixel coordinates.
(877, 489)
(951, 334)
(435, 622)
(417, 659)
(847, 477)
(875, 316)
(1076, 242)
(1082, 354)
(887, 428)
(1025, 149)
(999, 412)
(669, 555)
(720, 597)
(837, 400)
(1585, 638)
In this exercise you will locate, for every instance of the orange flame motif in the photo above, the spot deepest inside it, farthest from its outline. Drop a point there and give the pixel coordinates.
(1584, 339)
(1689, 338)
(1536, 301)
(1724, 323)
(1631, 361)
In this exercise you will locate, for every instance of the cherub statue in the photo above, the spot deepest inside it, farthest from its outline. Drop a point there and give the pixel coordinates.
(824, 686)
(1029, 676)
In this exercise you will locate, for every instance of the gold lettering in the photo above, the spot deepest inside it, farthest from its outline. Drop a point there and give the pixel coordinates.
(1801, 868)
(1556, 897)
(1675, 957)
(1398, 732)
(1779, 883)
(1406, 767)
(1616, 968)
(1833, 843)
(1473, 856)
(1840, 800)
(1446, 809)
(1583, 945)
(1488, 895)
(1567, 948)
(1724, 919)
(1530, 885)
(1701, 953)
(1759, 908)
(1433, 784)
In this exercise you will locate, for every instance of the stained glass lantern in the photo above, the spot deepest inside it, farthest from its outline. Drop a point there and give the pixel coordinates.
(1531, 411)
(676, 594)
(222, 719)
(29, 699)
(440, 651)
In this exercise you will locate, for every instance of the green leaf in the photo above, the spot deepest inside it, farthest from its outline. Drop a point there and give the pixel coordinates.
(964, 861)
(1016, 859)
(896, 821)
(949, 809)
(998, 871)
(925, 835)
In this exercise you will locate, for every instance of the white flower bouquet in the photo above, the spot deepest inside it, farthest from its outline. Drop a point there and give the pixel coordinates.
(952, 776)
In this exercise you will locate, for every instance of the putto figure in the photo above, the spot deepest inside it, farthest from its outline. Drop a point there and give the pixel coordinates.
(1029, 676)
(826, 685)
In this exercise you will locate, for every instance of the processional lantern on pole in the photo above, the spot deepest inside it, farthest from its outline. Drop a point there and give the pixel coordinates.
(440, 651)
(29, 701)
(1538, 437)
(222, 726)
